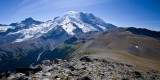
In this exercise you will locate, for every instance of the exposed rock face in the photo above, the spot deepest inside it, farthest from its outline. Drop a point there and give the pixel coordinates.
(85, 68)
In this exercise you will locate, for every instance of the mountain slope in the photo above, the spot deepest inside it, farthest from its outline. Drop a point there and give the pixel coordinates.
(31, 38)
(123, 46)
(117, 44)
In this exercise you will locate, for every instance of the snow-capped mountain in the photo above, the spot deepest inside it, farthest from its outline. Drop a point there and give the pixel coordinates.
(14, 31)
(33, 31)
(72, 22)
(84, 21)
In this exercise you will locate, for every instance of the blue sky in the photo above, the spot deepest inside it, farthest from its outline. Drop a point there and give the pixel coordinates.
(122, 13)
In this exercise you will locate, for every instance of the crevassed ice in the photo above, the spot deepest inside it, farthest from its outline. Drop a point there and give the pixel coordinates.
(25, 38)
(35, 31)
(85, 27)
(66, 21)
(102, 27)
(69, 28)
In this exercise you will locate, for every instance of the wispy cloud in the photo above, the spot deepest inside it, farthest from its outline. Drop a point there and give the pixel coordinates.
(37, 5)
(34, 6)
(23, 2)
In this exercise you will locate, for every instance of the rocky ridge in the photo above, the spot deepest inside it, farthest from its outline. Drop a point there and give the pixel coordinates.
(84, 68)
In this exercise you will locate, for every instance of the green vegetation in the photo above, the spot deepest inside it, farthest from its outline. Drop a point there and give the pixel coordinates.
(22, 59)
(71, 40)
(89, 52)
(142, 62)
(73, 49)
(4, 79)
(63, 51)
(115, 77)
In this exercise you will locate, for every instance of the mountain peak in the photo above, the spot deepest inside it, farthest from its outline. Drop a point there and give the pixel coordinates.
(72, 12)
(75, 12)
(29, 19)
(85, 22)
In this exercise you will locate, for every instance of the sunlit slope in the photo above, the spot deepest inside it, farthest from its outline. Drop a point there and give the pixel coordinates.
(137, 45)
(125, 47)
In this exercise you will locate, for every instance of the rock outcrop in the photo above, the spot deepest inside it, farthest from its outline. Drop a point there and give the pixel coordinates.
(85, 68)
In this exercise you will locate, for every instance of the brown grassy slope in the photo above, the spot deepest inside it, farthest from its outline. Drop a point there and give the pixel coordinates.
(124, 57)
(121, 46)
(137, 45)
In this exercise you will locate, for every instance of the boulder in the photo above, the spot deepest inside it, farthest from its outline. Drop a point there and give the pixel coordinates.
(137, 74)
(46, 68)
(7, 73)
(152, 78)
(85, 59)
(57, 61)
(17, 76)
(46, 62)
(84, 78)
(71, 68)
(28, 71)
(2, 75)
(23, 70)
(129, 65)
(22, 78)
(103, 60)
